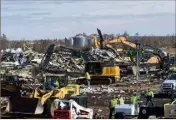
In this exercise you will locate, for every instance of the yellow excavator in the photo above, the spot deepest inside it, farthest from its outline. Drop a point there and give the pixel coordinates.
(123, 40)
(101, 73)
(152, 55)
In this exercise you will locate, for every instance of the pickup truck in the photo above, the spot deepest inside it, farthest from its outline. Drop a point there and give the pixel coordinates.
(169, 85)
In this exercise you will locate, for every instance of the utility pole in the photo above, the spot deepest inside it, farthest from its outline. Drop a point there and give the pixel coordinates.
(137, 64)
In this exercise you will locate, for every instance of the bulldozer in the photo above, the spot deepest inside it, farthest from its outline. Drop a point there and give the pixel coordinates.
(41, 100)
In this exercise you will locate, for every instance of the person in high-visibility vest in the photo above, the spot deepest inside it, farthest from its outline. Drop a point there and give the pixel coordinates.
(52, 84)
(149, 95)
(133, 99)
(56, 83)
(112, 104)
(120, 99)
(88, 79)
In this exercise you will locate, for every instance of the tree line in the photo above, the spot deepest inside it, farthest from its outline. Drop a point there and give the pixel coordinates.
(41, 45)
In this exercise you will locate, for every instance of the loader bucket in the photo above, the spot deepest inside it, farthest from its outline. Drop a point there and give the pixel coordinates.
(24, 105)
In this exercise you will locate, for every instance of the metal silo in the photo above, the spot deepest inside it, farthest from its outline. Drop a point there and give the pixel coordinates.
(90, 42)
(80, 41)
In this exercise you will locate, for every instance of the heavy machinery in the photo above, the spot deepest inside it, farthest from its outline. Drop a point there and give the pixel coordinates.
(69, 109)
(150, 55)
(168, 111)
(101, 73)
(41, 100)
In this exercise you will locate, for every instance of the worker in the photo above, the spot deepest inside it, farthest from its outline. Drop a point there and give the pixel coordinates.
(149, 95)
(134, 101)
(52, 84)
(88, 79)
(120, 99)
(56, 83)
(112, 104)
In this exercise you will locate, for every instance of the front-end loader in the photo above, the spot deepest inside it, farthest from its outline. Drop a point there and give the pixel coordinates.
(41, 100)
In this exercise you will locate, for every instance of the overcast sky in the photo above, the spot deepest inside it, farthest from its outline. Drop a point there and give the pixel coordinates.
(59, 19)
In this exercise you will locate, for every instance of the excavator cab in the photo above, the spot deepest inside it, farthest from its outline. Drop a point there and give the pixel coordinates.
(94, 68)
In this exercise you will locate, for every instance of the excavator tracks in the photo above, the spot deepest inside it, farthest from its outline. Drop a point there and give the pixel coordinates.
(97, 81)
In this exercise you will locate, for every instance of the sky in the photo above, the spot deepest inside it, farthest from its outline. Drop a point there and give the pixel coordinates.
(43, 19)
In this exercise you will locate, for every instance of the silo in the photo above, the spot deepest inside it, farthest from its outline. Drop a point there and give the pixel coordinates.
(90, 42)
(80, 41)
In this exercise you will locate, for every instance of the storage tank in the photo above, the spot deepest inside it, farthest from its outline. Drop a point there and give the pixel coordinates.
(80, 41)
(90, 42)
(71, 41)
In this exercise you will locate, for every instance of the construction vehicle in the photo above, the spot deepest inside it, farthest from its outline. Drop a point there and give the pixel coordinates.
(168, 111)
(150, 55)
(41, 100)
(101, 73)
(70, 109)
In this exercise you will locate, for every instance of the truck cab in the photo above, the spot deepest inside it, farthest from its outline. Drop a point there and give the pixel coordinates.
(169, 84)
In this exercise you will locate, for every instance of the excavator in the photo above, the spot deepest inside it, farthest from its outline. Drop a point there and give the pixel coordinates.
(41, 100)
(150, 55)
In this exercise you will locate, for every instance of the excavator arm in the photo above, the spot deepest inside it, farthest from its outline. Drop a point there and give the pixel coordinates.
(123, 41)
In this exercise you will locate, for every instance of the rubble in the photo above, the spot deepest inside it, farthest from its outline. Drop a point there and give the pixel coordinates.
(26, 65)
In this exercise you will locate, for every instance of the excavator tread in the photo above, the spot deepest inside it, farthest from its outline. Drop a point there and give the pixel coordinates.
(97, 81)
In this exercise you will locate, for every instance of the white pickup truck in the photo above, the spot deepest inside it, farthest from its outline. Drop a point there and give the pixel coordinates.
(169, 84)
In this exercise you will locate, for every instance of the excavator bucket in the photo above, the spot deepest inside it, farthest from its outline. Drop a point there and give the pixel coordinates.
(24, 105)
